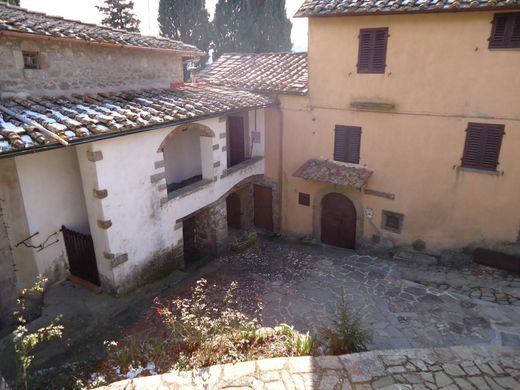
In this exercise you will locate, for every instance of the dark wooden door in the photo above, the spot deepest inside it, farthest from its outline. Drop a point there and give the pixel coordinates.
(233, 211)
(338, 221)
(81, 254)
(263, 199)
(189, 236)
(236, 140)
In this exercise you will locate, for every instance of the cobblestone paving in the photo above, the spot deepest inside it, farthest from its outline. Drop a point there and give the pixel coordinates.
(300, 284)
(480, 368)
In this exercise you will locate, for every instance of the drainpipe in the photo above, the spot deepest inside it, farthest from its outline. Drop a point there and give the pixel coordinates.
(29, 122)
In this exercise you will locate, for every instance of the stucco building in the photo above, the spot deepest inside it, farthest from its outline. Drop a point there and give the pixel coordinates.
(111, 168)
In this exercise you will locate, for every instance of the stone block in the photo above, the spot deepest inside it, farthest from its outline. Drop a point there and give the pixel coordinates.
(216, 164)
(159, 164)
(100, 194)
(216, 147)
(363, 367)
(300, 365)
(272, 364)
(162, 187)
(222, 135)
(164, 200)
(104, 224)
(235, 371)
(94, 156)
(119, 259)
(157, 177)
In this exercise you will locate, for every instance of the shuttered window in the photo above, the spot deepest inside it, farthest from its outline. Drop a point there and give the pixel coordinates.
(506, 31)
(347, 144)
(372, 50)
(482, 147)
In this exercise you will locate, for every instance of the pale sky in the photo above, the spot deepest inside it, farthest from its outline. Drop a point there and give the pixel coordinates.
(147, 10)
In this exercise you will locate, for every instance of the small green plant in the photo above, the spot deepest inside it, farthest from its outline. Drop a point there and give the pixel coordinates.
(299, 344)
(25, 342)
(345, 335)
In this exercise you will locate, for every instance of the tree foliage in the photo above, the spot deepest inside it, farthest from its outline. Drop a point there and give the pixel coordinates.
(187, 21)
(120, 14)
(12, 2)
(251, 26)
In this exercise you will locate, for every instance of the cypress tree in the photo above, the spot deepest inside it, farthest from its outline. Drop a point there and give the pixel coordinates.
(186, 21)
(120, 15)
(251, 26)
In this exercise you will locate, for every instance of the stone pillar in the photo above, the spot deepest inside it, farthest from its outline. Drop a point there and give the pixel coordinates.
(220, 227)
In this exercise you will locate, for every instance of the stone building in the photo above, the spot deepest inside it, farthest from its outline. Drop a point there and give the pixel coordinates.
(409, 128)
(111, 168)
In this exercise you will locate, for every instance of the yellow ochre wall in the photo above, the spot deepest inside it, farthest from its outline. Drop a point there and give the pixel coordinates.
(440, 76)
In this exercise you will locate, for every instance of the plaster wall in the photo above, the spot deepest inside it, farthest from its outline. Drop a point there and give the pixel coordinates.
(414, 157)
(437, 64)
(183, 157)
(74, 68)
(52, 193)
(144, 223)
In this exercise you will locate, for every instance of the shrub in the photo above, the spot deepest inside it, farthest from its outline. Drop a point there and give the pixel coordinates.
(345, 335)
(25, 342)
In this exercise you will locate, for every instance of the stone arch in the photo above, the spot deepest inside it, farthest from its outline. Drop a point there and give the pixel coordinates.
(353, 195)
(203, 130)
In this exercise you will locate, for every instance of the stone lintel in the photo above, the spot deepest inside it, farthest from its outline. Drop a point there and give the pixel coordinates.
(100, 194)
(372, 106)
(157, 177)
(94, 156)
(381, 194)
(104, 224)
(159, 164)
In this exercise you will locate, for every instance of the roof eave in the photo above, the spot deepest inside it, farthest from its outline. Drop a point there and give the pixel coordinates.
(411, 12)
(116, 134)
(24, 35)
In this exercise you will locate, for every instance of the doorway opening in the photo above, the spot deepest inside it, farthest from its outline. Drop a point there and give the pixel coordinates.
(263, 207)
(338, 221)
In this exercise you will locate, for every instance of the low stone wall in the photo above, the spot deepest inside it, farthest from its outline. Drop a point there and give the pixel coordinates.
(450, 368)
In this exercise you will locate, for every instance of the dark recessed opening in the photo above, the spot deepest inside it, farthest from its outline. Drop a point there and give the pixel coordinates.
(304, 199)
(30, 60)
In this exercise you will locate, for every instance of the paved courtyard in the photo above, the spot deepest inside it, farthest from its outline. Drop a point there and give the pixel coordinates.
(402, 304)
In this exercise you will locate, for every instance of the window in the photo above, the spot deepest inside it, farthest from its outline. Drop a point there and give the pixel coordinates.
(482, 147)
(372, 50)
(304, 199)
(30, 60)
(392, 221)
(505, 33)
(347, 143)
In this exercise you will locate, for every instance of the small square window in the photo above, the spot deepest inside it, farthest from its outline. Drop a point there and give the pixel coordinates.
(30, 60)
(304, 199)
(392, 221)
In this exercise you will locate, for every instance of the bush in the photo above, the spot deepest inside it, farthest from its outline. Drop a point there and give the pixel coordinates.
(345, 335)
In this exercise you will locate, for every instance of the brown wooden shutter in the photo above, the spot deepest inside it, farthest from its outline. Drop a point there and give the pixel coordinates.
(347, 144)
(482, 147)
(372, 50)
(506, 31)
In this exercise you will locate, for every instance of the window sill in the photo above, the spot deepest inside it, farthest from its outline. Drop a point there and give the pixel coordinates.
(188, 190)
(242, 165)
(475, 170)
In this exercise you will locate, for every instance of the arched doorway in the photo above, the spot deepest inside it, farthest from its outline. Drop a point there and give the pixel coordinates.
(338, 221)
(234, 211)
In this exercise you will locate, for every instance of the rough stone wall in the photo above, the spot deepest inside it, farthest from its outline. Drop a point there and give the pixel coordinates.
(66, 68)
(211, 229)
(7, 274)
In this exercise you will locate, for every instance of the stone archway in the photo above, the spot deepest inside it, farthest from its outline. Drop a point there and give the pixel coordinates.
(204, 131)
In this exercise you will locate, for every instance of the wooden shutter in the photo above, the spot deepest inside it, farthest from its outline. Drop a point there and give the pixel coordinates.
(372, 50)
(347, 144)
(482, 147)
(506, 31)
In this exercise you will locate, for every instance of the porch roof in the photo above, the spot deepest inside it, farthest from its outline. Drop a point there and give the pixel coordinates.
(89, 117)
(335, 172)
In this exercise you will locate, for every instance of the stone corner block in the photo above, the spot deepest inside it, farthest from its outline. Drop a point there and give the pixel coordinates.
(94, 156)
(157, 177)
(164, 200)
(104, 224)
(100, 194)
(159, 164)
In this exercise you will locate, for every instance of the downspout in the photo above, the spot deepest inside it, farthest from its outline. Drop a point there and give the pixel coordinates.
(29, 122)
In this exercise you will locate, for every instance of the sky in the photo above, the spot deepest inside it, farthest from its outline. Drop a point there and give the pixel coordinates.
(146, 11)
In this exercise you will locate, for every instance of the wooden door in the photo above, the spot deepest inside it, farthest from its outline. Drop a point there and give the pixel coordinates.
(236, 140)
(81, 255)
(338, 221)
(233, 211)
(263, 200)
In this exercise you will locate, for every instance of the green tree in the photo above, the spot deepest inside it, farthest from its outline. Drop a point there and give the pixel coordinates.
(12, 2)
(251, 26)
(186, 21)
(120, 14)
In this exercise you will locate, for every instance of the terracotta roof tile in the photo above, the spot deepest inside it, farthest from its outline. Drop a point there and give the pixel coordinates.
(20, 20)
(284, 73)
(364, 7)
(86, 116)
(335, 172)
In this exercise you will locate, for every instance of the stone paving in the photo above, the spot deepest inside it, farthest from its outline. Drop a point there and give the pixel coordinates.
(301, 283)
(481, 368)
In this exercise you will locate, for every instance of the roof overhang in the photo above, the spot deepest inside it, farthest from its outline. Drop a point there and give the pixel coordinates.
(335, 172)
